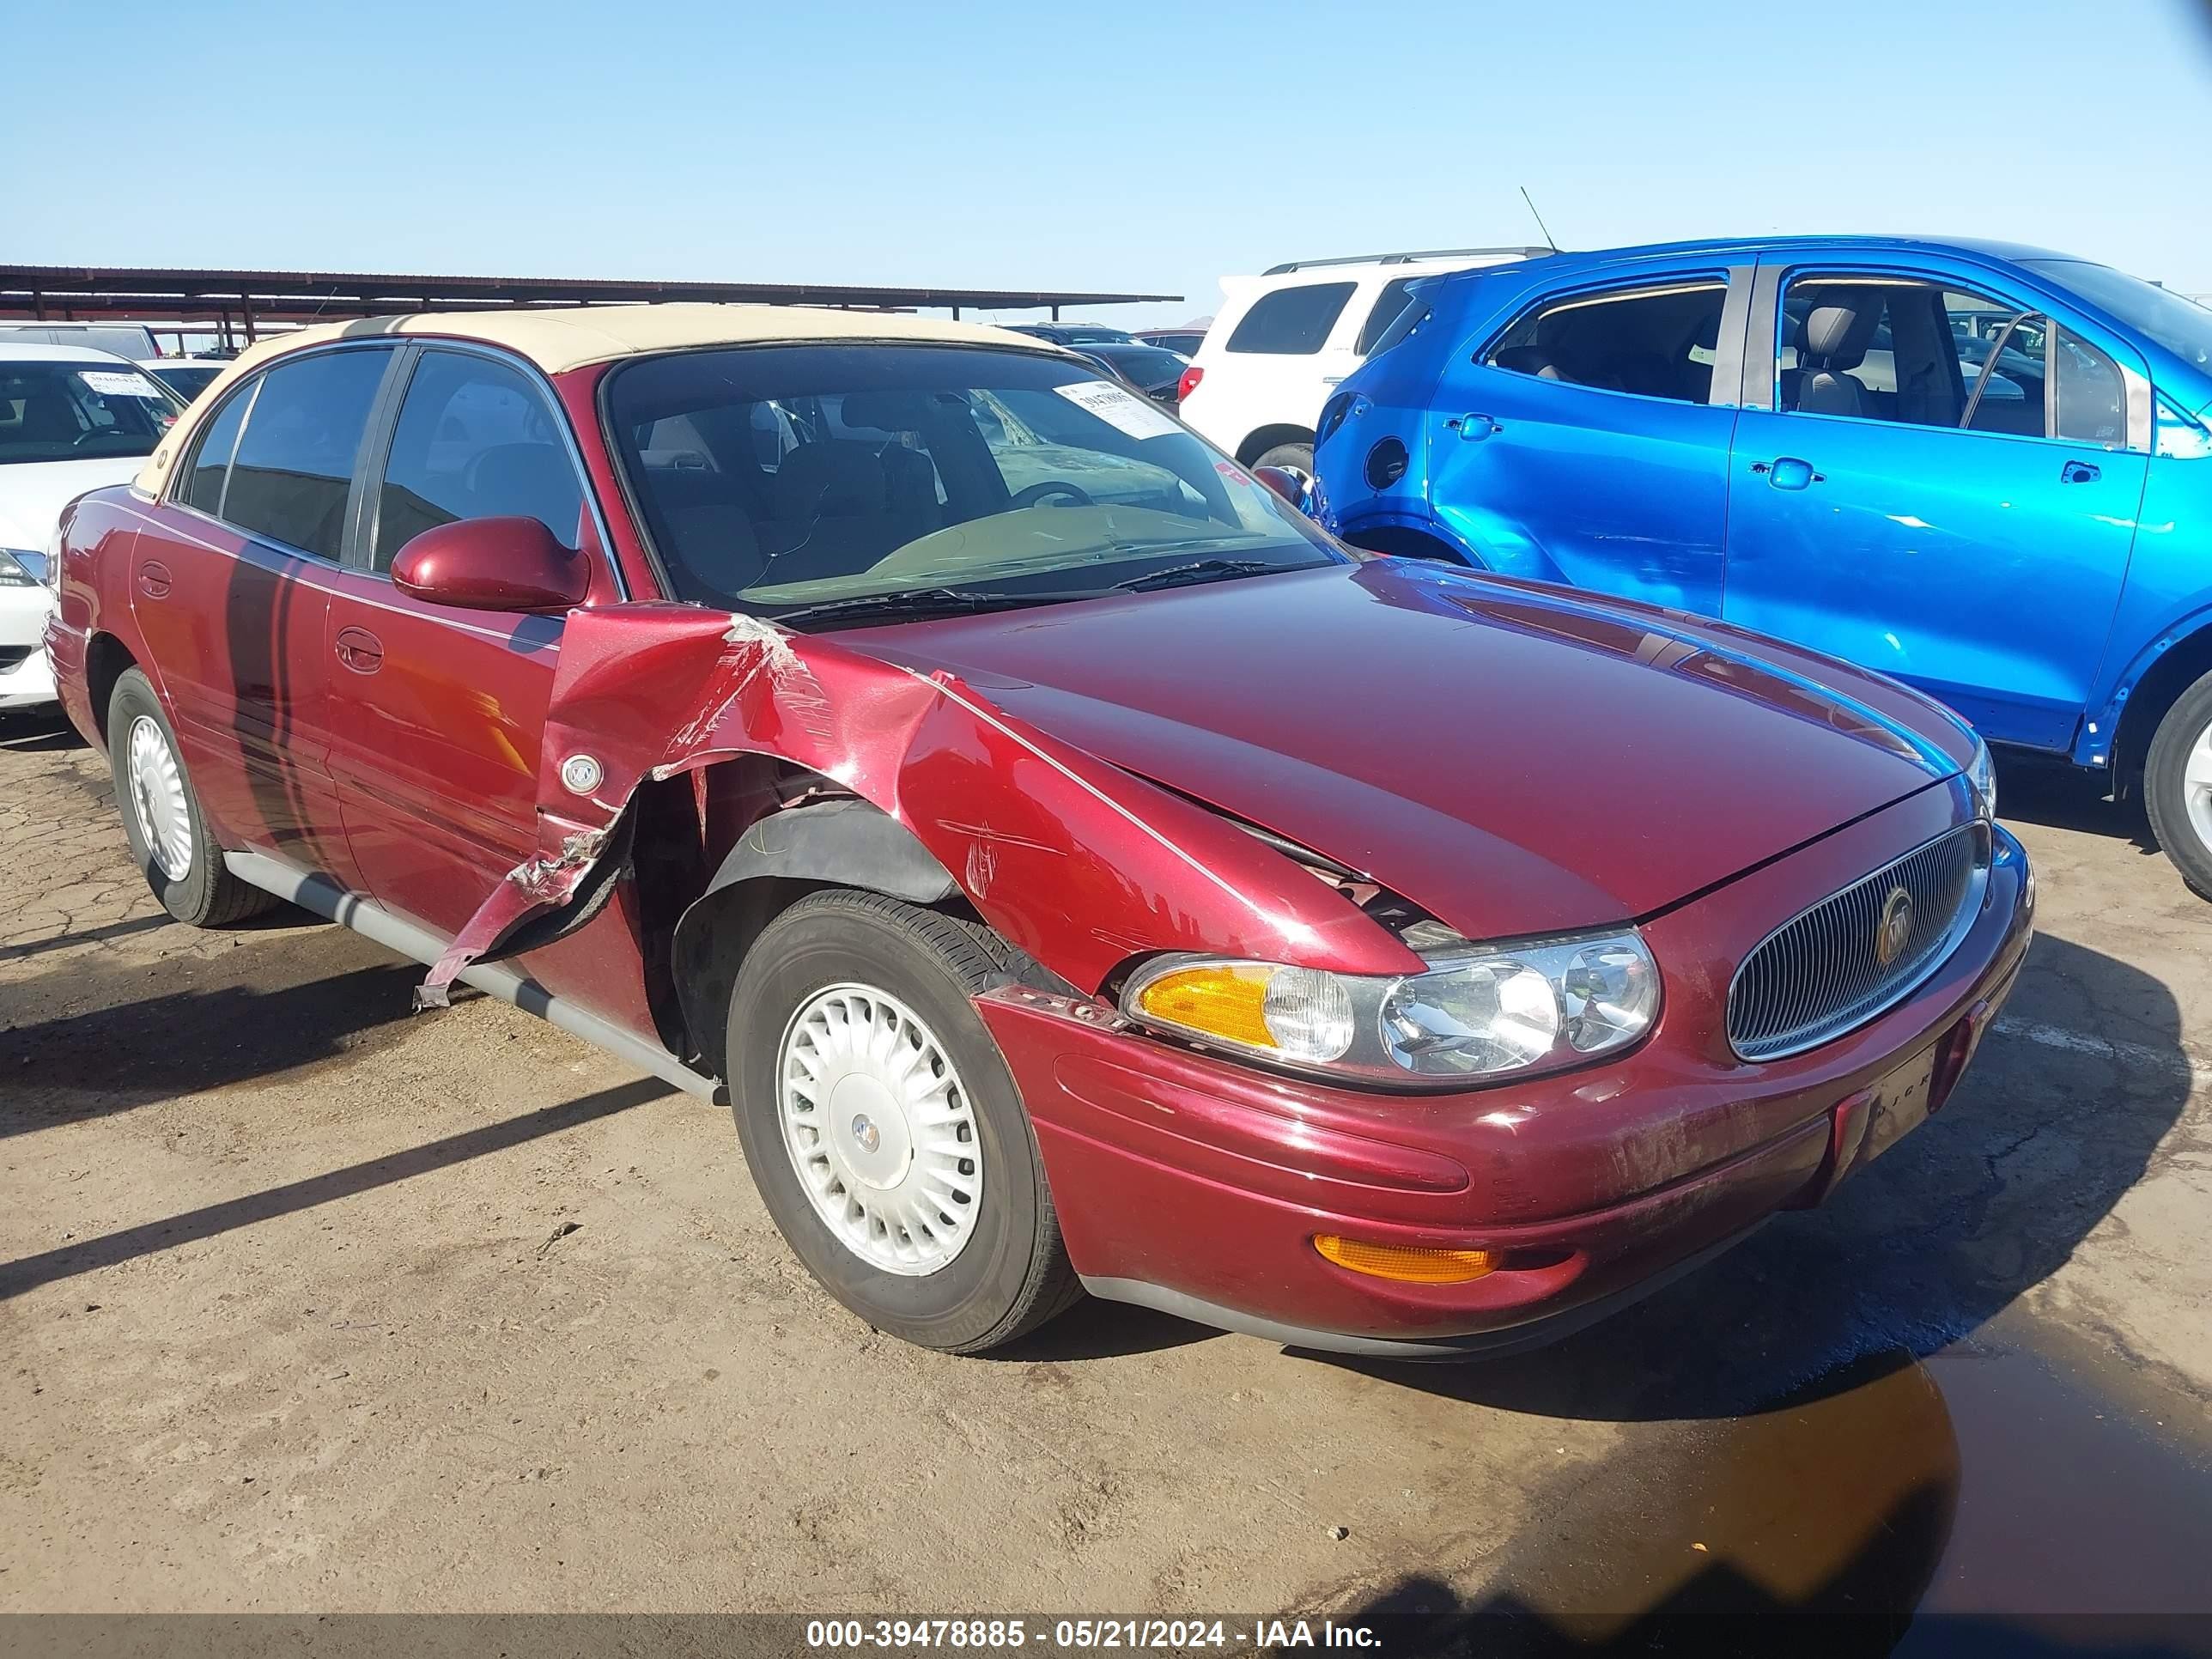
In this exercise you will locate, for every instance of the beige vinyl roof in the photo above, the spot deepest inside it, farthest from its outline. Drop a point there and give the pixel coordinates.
(560, 340)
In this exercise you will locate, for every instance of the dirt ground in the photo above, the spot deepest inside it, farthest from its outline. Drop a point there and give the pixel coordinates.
(290, 1321)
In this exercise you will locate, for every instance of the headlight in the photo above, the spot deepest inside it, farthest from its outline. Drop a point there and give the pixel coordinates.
(21, 567)
(1982, 779)
(1476, 1012)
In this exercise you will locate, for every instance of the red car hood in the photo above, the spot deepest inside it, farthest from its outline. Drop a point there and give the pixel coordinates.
(1513, 759)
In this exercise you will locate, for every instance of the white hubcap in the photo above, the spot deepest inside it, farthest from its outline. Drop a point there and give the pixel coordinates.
(2197, 786)
(157, 796)
(880, 1129)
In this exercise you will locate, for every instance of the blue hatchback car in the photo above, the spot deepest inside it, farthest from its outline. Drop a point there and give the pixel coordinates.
(1985, 470)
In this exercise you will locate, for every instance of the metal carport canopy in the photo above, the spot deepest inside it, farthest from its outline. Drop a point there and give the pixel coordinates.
(81, 293)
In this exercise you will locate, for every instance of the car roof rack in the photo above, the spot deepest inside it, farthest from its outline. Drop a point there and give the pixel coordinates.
(1289, 265)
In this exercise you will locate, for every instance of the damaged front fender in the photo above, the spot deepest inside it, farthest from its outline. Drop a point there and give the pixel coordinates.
(1078, 863)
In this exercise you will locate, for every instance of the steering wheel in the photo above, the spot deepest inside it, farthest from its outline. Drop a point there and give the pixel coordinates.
(1050, 487)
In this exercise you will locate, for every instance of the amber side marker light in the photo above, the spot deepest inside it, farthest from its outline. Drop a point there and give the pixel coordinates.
(1408, 1263)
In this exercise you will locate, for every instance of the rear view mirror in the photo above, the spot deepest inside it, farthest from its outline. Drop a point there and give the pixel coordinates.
(493, 564)
(1286, 481)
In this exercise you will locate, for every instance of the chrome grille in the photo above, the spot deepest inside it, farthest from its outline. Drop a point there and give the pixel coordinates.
(1821, 973)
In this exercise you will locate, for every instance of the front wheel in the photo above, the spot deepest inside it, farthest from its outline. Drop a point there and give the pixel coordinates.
(2177, 786)
(882, 1127)
(1298, 458)
(161, 817)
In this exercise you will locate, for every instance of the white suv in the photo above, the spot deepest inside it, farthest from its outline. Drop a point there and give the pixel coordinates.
(1285, 337)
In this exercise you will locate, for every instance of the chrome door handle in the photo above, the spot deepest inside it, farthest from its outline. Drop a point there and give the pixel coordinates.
(154, 580)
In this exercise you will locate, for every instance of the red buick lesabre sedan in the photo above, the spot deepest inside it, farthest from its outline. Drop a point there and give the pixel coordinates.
(1078, 871)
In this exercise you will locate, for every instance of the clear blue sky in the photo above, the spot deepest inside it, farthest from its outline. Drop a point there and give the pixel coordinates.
(1145, 147)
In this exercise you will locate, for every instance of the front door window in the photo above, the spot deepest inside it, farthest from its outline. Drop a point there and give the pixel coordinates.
(1923, 354)
(474, 439)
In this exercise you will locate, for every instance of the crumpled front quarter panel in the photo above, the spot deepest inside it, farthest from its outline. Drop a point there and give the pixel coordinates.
(1078, 863)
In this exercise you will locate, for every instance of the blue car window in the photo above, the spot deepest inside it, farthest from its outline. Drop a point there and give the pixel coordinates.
(2090, 400)
(2178, 435)
(1886, 348)
(1390, 304)
(1653, 341)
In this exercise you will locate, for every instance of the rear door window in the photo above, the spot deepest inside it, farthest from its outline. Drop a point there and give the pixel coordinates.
(475, 439)
(1654, 340)
(1291, 321)
(294, 465)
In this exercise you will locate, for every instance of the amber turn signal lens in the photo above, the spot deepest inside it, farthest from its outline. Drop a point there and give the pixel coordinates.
(1221, 1000)
(1408, 1263)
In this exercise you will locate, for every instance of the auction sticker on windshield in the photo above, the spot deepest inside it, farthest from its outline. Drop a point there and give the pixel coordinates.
(109, 383)
(1123, 410)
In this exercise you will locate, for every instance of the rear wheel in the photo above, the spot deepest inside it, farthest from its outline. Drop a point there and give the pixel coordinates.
(2177, 786)
(882, 1127)
(1297, 457)
(161, 818)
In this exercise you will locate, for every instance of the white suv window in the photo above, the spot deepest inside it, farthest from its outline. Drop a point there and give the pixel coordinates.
(1291, 322)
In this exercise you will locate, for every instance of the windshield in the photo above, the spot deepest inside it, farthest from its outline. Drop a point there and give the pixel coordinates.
(1147, 366)
(1092, 334)
(66, 412)
(775, 479)
(2182, 326)
(187, 380)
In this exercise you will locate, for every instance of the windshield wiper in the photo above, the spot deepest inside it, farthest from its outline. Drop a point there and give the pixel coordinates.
(1198, 570)
(913, 602)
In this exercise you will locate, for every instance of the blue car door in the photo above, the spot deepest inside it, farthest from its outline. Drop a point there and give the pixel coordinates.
(1936, 474)
(1588, 442)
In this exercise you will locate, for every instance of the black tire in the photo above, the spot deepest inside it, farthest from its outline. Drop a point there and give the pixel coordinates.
(1012, 1273)
(207, 894)
(2165, 795)
(1296, 456)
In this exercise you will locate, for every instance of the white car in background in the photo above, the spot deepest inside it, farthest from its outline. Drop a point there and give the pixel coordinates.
(71, 420)
(1285, 337)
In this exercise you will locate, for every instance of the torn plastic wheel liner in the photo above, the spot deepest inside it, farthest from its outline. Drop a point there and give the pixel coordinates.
(647, 691)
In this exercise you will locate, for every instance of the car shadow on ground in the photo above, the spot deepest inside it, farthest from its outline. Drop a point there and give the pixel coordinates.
(36, 732)
(1103, 1330)
(133, 1034)
(1958, 1219)
(2060, 797)
(191, 1226)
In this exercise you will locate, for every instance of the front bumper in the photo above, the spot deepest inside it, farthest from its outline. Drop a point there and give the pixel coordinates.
(26, 678)
(1195, 1184)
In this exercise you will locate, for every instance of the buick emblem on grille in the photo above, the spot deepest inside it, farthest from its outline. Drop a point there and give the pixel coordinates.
(1894, 927)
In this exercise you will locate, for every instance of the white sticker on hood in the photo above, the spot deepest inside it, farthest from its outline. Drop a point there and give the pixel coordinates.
(1119, 408)
(111, 383)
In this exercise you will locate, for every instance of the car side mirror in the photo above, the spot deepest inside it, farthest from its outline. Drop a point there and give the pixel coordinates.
(493, 564)
(1290, 484)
